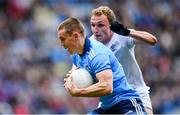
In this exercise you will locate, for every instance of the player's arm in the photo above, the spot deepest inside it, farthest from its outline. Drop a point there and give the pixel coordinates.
(104, 86)
(138, 35)
(143, 36)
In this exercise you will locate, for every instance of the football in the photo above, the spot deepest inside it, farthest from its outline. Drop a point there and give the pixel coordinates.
(82, 78)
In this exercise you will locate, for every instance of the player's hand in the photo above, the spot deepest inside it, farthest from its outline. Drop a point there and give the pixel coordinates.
(70, 72)
(119, 28)
(70, 86)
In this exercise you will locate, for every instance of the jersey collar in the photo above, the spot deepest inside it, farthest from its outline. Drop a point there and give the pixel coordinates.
(87, 46)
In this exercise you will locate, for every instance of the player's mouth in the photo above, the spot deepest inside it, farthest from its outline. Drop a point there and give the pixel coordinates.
(97, 36)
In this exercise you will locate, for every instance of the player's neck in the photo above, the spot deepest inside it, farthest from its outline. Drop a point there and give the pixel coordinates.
(81, 46)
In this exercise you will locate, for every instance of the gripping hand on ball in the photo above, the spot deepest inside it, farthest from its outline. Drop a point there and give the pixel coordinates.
(119, 28)
(70, 72)
(70, 86)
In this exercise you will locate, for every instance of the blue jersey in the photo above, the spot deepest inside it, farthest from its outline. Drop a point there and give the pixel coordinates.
(96, 58)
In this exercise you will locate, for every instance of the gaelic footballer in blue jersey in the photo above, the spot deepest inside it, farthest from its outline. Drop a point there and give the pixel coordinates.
(111, 86)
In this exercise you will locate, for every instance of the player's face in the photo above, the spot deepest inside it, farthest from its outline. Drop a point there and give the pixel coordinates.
(67, 41)
(101, 28)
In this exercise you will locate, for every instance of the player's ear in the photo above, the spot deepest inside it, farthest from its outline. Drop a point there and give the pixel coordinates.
(76, 35)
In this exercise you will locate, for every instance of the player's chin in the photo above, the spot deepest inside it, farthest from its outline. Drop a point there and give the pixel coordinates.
(99, 38)
(71, 52)
(102, 40)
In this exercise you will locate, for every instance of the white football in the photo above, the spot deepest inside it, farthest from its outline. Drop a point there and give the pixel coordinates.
(82, 78)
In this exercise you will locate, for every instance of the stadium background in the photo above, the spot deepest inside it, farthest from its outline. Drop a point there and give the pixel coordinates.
(32, 65)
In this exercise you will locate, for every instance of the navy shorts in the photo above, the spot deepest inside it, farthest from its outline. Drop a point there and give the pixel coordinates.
(129, 106)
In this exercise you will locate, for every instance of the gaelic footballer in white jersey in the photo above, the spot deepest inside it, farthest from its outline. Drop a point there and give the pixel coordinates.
(123, 48)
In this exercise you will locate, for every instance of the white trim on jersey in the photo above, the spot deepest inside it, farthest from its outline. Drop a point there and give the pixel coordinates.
(91, 54)
(137, 106)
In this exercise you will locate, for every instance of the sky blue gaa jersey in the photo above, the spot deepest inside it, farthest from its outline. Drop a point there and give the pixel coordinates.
(96, 58)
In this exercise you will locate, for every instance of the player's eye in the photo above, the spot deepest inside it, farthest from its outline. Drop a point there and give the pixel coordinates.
(100, 25)
(93, 25)
(61, 39)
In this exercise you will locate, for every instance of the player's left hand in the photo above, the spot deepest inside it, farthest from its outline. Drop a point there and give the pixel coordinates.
(70, 86)
(119, 28)
(70, 72)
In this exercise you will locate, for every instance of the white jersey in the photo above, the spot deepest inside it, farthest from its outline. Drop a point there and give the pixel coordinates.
(123, 47)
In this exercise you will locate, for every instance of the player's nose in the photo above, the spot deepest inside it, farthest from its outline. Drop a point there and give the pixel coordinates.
(95, 30)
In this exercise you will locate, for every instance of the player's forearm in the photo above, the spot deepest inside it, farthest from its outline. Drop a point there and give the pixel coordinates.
(96, 90)
(143, 36)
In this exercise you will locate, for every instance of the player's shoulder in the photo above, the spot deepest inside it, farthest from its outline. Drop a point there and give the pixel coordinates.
(120, 37)
(122, 40)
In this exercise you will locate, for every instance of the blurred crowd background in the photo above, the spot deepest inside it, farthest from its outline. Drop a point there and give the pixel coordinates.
(32, 65)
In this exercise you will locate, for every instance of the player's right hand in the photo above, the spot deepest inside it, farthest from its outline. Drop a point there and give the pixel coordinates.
(119, 28)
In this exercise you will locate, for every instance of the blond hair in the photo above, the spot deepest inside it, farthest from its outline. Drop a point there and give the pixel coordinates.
(71, 25)
(104, 10)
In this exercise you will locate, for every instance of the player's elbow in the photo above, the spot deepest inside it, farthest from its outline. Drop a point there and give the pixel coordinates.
(109, 89)
(153, 40)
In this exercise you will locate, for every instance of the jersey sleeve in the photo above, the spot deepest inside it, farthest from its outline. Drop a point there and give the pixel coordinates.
(100, 62)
